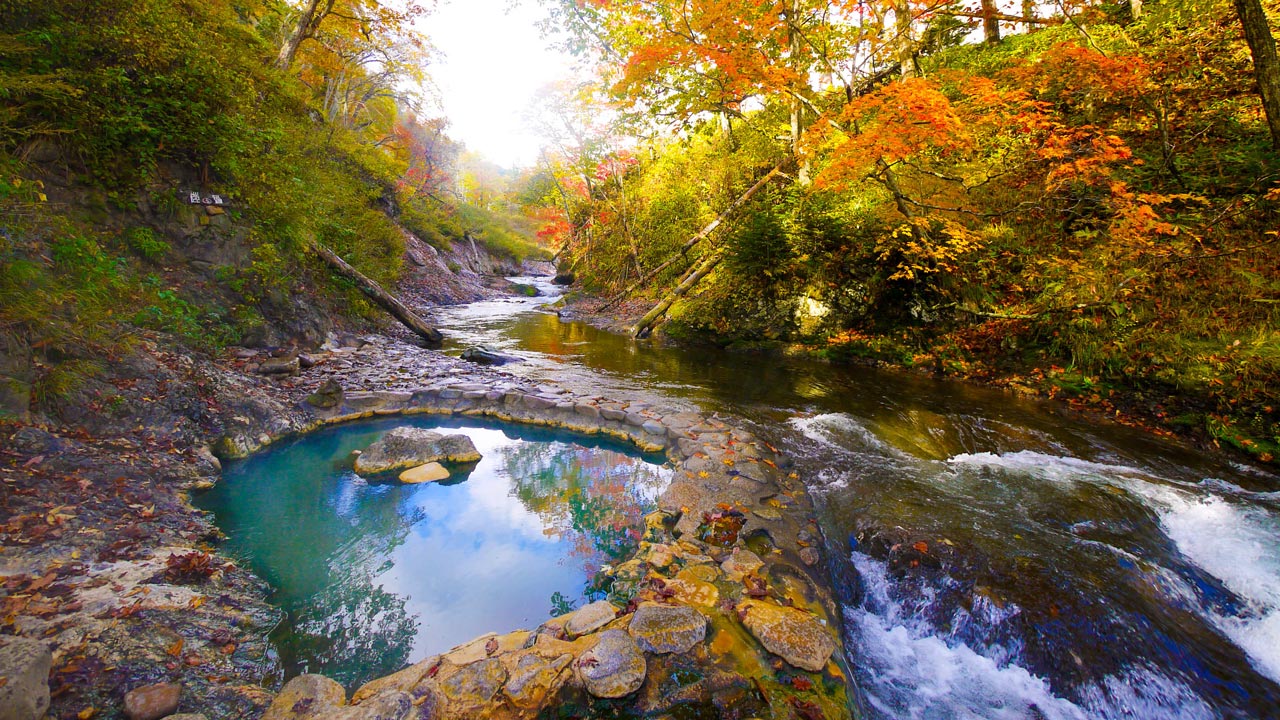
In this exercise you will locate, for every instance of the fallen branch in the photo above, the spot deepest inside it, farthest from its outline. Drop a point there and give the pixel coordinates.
(374, 291)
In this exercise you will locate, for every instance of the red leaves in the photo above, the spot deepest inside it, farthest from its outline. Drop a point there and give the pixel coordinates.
(190, 567)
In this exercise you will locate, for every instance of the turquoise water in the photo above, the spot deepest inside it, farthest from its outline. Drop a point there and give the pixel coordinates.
(376, 575)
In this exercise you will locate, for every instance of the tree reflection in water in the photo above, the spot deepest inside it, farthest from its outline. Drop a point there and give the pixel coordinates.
(595, 499)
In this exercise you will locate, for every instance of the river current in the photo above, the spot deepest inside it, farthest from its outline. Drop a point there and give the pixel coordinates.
(1090, 570)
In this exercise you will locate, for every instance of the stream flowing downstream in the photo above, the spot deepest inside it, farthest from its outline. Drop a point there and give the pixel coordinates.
(1072, 568)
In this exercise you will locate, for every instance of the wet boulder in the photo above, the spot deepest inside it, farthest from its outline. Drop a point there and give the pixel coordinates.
(487, 356)
(408, 447)
(614, 667)
(306, 696)
(793, 634)
(659, 628)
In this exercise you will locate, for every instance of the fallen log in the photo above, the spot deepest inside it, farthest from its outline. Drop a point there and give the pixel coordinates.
(374, 292)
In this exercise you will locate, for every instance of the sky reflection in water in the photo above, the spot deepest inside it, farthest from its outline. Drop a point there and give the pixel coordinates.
(376, 575)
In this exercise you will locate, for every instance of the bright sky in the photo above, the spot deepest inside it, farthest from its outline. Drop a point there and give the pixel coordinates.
(492, 60)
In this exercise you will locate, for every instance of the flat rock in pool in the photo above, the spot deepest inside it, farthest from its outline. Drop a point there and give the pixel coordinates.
(430, 472)
(406, 447)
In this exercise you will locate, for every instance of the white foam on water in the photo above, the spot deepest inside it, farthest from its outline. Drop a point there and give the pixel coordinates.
(910, 672)
(1058, 468)
(1229, 488)
(838, 430)
(1145, 693)
(1240, 546)
(1236, 542)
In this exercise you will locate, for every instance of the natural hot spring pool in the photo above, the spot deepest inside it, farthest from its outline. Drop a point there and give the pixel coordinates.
(373, 576)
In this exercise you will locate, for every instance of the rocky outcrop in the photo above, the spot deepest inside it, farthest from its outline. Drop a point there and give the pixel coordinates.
(408, 447)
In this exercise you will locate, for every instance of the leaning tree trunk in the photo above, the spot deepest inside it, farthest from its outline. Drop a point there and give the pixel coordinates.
(1266, 67)
(699, 237)
(653, 316)
(383, 298)
(304, 29)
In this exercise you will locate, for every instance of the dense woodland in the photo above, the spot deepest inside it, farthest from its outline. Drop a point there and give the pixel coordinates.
(1078, 199)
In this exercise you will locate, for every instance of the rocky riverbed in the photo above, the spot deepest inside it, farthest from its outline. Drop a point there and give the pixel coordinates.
(725, 607)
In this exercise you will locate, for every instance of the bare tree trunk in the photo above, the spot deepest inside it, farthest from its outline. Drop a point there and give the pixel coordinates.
(1266, 68)
(306, 27)
(902, 25)
(383, 298)
(653, 316)
(699, 237)
(1135, 9)
(991, 24)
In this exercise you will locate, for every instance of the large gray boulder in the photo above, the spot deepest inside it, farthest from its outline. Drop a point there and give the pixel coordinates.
(407, 447)
(24, 665)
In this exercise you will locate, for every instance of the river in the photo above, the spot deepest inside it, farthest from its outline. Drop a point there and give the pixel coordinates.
(1064, 567)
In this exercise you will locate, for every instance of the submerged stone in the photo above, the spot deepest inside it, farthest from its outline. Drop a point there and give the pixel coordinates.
(404, 447)
(667, 628)
(794, 635)
(430, 472)
(614, 667)
(152, 702)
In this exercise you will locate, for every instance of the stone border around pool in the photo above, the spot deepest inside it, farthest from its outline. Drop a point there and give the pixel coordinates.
(726, 604)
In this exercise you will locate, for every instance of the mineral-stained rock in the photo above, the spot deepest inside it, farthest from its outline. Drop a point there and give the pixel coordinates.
(405, 447)
(387, 706)
(152, 702)
(741, 562)
(402, 680)
(667, 628)
(795, 635)
(306, 696)
(809, 556)
(535, 679)
(614, 667)
(590, 618)
(470, 690)
(25, 665)
(430, 472)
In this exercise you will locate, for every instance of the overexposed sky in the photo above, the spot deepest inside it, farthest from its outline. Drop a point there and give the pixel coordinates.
(491, 61)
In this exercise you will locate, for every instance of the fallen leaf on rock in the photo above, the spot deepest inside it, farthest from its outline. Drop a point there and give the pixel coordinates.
(87, 713)
(176, 648)
(921, 546)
